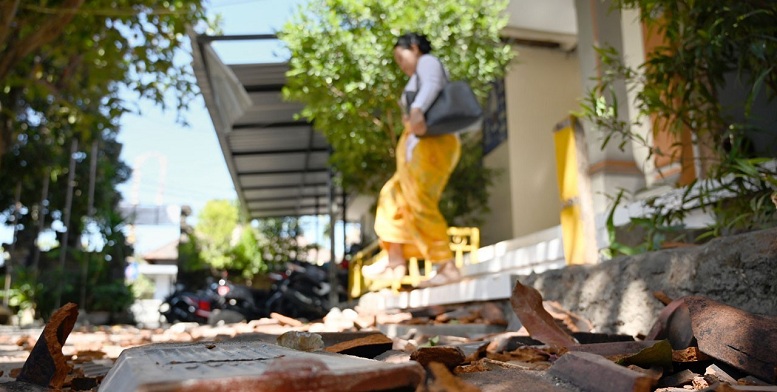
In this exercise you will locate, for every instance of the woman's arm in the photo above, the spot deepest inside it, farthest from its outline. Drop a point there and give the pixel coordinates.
(431, 75)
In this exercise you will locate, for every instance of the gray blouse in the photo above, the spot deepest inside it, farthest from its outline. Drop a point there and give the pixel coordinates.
(429, 79)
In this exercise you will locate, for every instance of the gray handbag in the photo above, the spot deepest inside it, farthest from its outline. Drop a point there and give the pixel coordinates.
(455, 109)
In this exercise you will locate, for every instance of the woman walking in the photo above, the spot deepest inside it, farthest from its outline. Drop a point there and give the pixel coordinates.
(408, 219)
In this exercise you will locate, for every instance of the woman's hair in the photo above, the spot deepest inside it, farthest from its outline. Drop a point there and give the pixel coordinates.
(408, 40)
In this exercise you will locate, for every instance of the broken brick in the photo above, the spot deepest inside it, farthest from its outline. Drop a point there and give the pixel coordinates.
(654, 372)
(750, 380)
(369, 346)
(690, 354)
(429, 311)
(479, 353)
(674, 324)
(510, 341)
(621, 350)
(499, 356)
(740, 339)
(681, 378)
(701, 382)
(83, 383)
(593, 337)
(292, 322)
(444, 381)
(719, 374)
(528, 354)
(493, 314)
(671, 389)
(464, 315)
(396, 318)
(393, 356)
(746, 388)
(447, 355)
(595, 373)
(416, 321)
(474, 367)
(46, 366)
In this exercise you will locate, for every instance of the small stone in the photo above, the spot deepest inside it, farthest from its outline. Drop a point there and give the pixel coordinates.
(301, 341)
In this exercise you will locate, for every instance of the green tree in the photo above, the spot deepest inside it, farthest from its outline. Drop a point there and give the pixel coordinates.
(278, 241)
(216, 225)
(709, 52)
(342, 69)
(247, 254)
(63, 63)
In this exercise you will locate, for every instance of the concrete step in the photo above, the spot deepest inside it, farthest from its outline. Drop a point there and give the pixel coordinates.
(491, 279)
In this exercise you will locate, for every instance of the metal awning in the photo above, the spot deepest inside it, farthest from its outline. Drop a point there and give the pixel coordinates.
(278, 164)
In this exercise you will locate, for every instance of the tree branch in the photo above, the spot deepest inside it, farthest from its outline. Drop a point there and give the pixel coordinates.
(70, 69)
(8, 9)
(390, 126)
(50, 29)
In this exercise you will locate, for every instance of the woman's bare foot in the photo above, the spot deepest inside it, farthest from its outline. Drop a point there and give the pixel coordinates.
(396, 268)
(447, 273)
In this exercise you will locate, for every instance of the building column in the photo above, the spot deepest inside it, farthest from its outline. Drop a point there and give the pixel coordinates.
(611, 168)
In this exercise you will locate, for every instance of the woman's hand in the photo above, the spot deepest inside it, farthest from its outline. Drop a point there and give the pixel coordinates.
(416, 122)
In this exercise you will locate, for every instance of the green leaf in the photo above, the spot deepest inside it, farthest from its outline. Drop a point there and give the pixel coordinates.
(757, 85)
(660, 354)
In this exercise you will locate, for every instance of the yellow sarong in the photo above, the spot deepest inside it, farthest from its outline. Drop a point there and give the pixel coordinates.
(408, 207)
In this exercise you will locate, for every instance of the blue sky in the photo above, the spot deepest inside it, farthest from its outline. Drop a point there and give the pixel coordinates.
(195, 168)
(185, 165)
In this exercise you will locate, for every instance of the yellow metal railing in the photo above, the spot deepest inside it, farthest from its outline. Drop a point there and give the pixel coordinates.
(463, 240)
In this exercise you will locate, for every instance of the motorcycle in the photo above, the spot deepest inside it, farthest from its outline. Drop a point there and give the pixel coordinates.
(300, 292)
(237, 303)
(187, 306)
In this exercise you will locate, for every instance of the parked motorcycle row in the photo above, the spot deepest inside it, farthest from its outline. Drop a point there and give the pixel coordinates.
(301, 291)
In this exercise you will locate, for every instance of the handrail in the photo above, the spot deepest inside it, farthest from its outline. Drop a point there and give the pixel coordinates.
(463, 240)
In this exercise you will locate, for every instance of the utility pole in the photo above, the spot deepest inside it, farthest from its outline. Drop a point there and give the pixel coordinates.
(345, 219)
(90, 215)
(333, 298)
(42, 210)
(9, 262)
(71, 178)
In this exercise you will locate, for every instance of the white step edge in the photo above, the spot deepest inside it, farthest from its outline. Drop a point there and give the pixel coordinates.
(487, 280)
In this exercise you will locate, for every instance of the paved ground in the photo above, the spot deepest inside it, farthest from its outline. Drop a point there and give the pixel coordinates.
(95, 349)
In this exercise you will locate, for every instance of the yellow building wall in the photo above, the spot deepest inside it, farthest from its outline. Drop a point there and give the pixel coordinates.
(542, 88)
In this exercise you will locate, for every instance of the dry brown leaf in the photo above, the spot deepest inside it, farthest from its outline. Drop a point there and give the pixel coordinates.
(527, 304)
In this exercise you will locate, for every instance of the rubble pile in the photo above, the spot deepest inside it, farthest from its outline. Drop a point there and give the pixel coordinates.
(696, 344)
